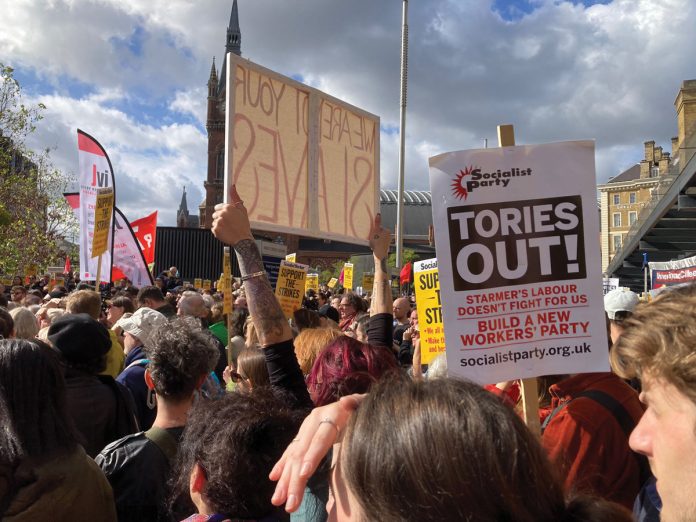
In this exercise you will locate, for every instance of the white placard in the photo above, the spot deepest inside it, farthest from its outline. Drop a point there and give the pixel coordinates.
(516, 233)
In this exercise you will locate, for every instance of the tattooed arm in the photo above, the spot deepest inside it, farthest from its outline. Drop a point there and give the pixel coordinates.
(231, 226)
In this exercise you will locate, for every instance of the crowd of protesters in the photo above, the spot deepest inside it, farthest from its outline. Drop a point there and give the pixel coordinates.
(152, 404)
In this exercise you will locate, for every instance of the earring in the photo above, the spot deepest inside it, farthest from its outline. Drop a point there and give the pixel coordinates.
(151, 399)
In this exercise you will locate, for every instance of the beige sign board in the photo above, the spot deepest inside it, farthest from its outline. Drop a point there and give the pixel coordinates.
(303, 162)
(104, 209)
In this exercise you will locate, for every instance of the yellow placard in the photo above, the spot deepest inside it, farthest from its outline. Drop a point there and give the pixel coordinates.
(432, 332)
(368, 282)
(226, 283)
(312, 283)
(290, 286)
(31, 270)
(198, 283)
(207, 284)
(7, 281)
(332, 282)
(291, 257)
(348, 276)
(103, 210)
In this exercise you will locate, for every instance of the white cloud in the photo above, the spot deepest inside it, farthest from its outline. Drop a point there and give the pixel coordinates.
(608, 72)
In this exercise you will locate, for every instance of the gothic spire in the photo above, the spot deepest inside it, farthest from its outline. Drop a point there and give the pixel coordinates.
(183, 207)
(212, 80)
(232, 45)
(234, 33)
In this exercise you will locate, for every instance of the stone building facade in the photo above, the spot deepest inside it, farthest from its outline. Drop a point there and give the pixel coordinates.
(623, 197)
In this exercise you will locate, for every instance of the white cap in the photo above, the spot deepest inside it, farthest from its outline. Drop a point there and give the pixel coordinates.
(142, 324)
(620, 300)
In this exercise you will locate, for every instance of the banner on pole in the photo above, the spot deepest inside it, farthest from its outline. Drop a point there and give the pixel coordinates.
(348, 276)
(671, 273)
(432, 331)
(145, 230)
(129, 261)
(290, 286)
(519, 265)
(94, 172)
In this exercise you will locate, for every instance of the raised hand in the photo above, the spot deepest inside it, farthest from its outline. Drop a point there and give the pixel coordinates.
(380, 238)
(230, 220)
(318, 433)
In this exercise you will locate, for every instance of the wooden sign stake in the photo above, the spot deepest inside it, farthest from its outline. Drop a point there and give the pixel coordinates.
(528, 387)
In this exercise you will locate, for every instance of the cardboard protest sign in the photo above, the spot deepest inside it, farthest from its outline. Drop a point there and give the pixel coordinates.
(103, 212)
(312, 283)
(290, 286)
(519, 265)
(610, 283)
(332, 282)
(368, 282)
(304, 162)
(348, 276)
(426, 282)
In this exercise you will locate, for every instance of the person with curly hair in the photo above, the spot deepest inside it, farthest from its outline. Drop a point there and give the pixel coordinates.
(228, 449)
(180, 356)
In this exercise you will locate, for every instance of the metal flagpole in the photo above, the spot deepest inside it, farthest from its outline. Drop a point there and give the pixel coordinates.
(402, 136)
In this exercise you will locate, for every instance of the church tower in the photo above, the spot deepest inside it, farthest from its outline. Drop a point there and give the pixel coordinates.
(215, 123)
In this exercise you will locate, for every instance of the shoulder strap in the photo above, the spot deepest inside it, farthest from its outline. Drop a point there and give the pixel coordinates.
(615, 408)
(619, 413)
(555, 412)
(164, 441)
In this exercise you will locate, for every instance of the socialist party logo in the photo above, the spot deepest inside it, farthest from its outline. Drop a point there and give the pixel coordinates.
(471, 178)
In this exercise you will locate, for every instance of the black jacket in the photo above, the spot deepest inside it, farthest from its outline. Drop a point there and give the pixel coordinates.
(138, 471)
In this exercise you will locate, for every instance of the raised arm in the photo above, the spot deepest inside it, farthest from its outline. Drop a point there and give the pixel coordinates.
(231, 226)
(380, 239)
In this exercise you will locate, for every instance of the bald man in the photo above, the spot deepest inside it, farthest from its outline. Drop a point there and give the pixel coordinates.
(192, 304)
(402, 309)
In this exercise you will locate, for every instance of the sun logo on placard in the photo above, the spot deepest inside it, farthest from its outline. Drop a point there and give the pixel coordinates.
(459, 183)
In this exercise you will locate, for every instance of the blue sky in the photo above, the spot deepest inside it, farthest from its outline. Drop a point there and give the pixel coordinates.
(133, 74)
(514, 10)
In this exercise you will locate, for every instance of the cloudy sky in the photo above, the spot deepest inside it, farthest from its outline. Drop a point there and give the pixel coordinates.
(133, 74)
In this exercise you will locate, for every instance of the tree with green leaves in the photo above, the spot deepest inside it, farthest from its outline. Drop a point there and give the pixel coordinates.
(36, 223)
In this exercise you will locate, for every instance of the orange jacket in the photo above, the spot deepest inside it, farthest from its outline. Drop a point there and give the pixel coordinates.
(586, 442)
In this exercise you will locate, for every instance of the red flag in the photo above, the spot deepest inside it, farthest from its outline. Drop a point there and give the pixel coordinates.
(68, 267)
(145, 230)
(405, 274)
(340, 277)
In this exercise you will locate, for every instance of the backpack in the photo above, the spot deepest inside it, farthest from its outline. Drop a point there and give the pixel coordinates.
(619, 413)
